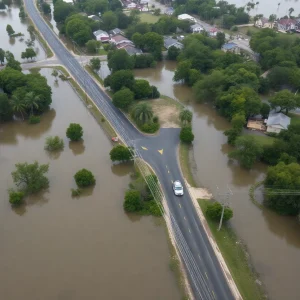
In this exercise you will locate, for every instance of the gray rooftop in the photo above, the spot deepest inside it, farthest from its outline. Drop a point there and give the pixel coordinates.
(168, 42)
(98, 32)
(196, 26)
(279, 119)
(131, 50)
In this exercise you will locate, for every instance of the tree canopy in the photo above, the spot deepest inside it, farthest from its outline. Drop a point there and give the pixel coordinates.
(123, 98)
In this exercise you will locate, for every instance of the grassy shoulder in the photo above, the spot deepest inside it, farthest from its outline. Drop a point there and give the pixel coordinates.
(184, 159)
(235, 256)
(90, 105)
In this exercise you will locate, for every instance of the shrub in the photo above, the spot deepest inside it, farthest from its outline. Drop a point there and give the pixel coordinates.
(76, 192)
(120, 153)
(186, 135)
(155, 119)
(234, 28)
(54, 143)
(152, 208)
(132, 201)
(214, 212)
(34, 119)
(150, 127)
(74, 132)
(154, 92)
(84, 178)
(15, 198)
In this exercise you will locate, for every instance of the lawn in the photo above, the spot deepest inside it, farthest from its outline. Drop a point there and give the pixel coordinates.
(235, 256)
(148, 18)
(263, 139)
(295, 119)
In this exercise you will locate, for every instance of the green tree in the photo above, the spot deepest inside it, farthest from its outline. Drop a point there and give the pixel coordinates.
(142, 89)
(119, 79)
(95, 6)
(32, 101)
(31, 178)
(84, 178)
(10, 30)
(92, 46)
(132, 201)
(46, 8)
(13, 64)
(18, 106)
(186, 135)
(7, 2)
(95, 63)
(232, 135)
(29, 53)
(2, 56)
(55, 74)
(16, 198)
(265, 110)
(238, 121)
(62, 10)
(173, 53)
(182, 71)
(281, 178)
(109, 20)
(142, 113)
(78, 30)
(123, 98)
(120, 153)
(54, 143)
(186, 116)
(214, 212)
(6, 112)
(120, 60)
(284, 100)
(247, 151)
(144, 61)
(74, 132)
(221, 38)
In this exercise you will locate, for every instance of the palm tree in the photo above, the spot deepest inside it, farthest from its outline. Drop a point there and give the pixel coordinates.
(142, 113)
(31, 101)
(18, 105)
(186, 116)
(291, 10)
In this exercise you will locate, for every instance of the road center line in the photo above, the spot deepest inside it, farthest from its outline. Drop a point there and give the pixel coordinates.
(179, 205)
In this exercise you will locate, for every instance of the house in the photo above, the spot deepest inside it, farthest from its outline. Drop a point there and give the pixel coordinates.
(144, 2)
(231, 47)
(119, 39)
(144, 8)
(131, 50)
(186, 17)
(263, 23)
(213, 32)
(169, 11)
(169, 42)
(116, 31)
(101, 36)
(277, 122)
(94, 18)
(68, 1)
(256, 124)
(286, 25)
(131, 5)
(196, 28)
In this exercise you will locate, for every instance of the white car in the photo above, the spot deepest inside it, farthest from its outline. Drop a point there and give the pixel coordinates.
(177, 188)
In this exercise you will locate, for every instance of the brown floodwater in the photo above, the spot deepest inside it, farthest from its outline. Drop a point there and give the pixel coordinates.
(273, 241)
(17, 45)
(59, 247)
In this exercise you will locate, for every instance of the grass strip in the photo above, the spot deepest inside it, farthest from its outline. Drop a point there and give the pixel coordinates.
(184, 159)
(236, 257)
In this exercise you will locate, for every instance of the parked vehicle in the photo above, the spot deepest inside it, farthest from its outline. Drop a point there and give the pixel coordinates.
(177, 188)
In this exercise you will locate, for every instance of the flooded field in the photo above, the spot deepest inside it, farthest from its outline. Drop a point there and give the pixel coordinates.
(273, 241)
(17, 45)
(59, 247)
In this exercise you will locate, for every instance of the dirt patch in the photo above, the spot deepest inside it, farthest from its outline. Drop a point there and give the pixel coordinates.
(167, 112)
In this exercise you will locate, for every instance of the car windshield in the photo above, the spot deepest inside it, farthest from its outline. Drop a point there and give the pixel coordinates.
(178, 188)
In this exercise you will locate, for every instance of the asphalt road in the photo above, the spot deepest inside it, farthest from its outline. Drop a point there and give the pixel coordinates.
(205, 275)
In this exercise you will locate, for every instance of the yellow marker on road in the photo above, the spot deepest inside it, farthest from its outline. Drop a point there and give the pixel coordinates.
(161, 151)
(206, 275)
(214, 294)
(168, 171)
(184, 217)
(144, 148)
(189, 230)
(179, 205)
(172, 181)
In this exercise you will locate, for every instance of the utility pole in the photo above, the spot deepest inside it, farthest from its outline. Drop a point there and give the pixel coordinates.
(225, 203)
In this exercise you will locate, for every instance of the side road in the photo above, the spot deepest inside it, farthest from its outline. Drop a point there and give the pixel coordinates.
(205, 274)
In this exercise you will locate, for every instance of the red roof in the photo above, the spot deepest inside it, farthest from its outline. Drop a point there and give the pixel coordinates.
(104, 38)
(287, 21)
(213, 30)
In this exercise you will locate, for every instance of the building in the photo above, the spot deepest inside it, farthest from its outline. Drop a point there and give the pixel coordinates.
(196, 28)
(119, 39)
(131, 50)
(277, 122)
(186, 17)
(231, 47)
(169, 11)
(263, 23)
(169, 42)
(116, 31)
(94, 18)
(68, 1)
(101, 36)
(131, 5)
(213, 32)
(255, 124)
(287, 25)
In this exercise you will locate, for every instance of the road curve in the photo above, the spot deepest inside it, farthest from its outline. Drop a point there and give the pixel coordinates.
(206, 277)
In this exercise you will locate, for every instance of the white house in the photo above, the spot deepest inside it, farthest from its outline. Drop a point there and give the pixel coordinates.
(186, 17)
(119, 39)
(68, 1)
(277, 122)
(264, 23)
(101, 35)
(196, 28)
(213, 32)
(131, 5)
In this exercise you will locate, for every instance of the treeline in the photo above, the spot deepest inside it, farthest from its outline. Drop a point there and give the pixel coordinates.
(23, 94)
(210, 10)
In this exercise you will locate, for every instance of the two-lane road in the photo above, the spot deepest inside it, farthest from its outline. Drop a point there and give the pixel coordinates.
(205, 274)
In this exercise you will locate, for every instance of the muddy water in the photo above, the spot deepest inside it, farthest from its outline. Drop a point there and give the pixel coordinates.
(273, 241)
(268, 7)
(59, 247)
(16, 45)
